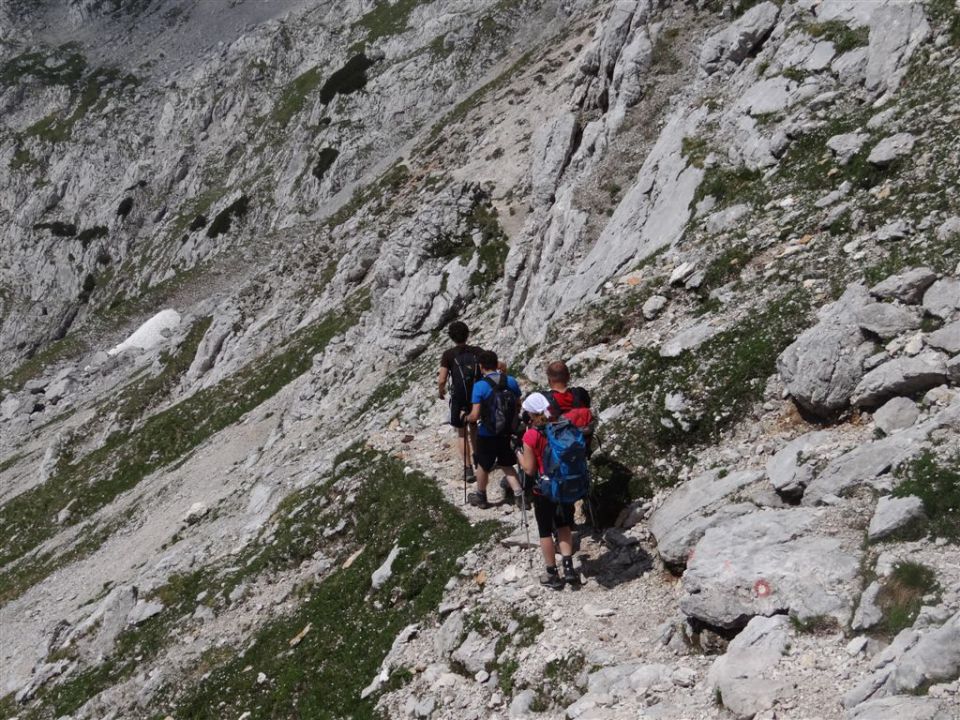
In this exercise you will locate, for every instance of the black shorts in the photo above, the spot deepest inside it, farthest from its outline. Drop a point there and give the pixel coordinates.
(458, 406)
(551, 515)
(492, 451)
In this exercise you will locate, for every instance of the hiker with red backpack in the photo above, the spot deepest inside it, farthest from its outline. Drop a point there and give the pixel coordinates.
(554, 453)
(495, 406)
(460, 368)
(573, 403)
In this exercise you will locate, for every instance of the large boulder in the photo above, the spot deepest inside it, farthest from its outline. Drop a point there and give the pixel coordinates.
(822, 367)
(891, 149)
(680, 522)
(903, 376)
(766, 563)
(907, 287)
(903, 707)
(886, 320)
(896, 414)
(740, 38)
(893, 514)
(745, 677)
(915, 659)
(942, 299)
(946, 338)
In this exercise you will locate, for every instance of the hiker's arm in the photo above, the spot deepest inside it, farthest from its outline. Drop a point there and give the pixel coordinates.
(528, 460)
(442, 382)
(474, 415)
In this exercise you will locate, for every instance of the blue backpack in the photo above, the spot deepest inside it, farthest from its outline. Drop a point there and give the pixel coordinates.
(566, 477)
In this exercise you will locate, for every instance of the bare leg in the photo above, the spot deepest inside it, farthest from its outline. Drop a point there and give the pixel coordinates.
(463, 447)
(565, 536)
(548, 551)
(482, 477)
(510, 473)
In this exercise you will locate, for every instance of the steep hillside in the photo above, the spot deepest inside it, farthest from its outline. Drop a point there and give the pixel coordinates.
(737, 221)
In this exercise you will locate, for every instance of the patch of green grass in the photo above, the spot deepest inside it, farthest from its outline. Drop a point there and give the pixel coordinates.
(936, 481)
(843, 37)
(349, 79)
(565, 669)
(36, 363)
(721, 379)
(353, 627)
(695, 150)
(293, 97)
(901, 595)
(22, 160)
(126, 458)
(387, 18)
(731, 185)
(725, 267)
(390, 182)
(946, 14)
(11, 461)
(795, 74)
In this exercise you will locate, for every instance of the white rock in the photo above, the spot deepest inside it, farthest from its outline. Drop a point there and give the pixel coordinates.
(892, 514)
(382, 574)
(891, 148)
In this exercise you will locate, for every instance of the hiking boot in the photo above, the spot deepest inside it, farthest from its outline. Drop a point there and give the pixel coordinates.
(572, 578)
(551, 580)
(478, 500)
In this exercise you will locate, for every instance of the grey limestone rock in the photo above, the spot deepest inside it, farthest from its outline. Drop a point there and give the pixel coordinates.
(892, 514)
(942, 298)
(896, 414)
(946, 338)
(950, 228)
(552, 146)
(847, 145)
(475, 652)
(913, 660)
(745, 676)
(726, 218)
(520, 705)
(903, 707)
(887, 320)
(735, 42)
(766, 563)
(907, 287)
(868, 612)
(654, 306)
(953, 370)
(689, 339)
(679, 523)
(790, 470)
(822, 367)
(891, 149)
(902, 376)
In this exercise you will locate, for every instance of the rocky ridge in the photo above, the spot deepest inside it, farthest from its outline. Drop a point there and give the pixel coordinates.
(180, 516)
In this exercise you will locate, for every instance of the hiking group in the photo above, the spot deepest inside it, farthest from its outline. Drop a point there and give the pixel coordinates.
(547, 434)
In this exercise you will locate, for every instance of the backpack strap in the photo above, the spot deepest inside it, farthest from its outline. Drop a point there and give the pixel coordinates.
(555, 410)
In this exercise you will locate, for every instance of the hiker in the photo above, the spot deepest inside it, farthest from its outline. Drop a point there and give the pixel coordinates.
(460, 368)
(572, 403)
(552, 515)
(496, 397)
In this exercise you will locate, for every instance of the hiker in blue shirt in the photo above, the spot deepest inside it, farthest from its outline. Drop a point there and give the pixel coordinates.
(495, 405)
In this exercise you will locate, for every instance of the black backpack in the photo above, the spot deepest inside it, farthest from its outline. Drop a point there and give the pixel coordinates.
(464, 372)
(498, 412)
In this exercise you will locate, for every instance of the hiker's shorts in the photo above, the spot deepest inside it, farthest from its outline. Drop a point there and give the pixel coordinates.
(458, 406)
(551, 515)
(494, 451)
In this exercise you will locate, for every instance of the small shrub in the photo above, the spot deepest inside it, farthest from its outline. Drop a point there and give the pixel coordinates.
(947, 14)
(199, 223)
(695, 150)
(843, 37)
(730, 185)
(901, 595)
(348, 79)
(663, 56)
(97, 232)
(125, 206)
(325, 161)
(293, 97)
(234, 211)
(58, 229)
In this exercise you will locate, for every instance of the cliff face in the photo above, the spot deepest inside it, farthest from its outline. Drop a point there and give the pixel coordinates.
(736, 220)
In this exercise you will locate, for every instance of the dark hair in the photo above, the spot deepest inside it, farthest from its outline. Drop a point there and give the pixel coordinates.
(558, 372)
(488, 360)
(458, 331)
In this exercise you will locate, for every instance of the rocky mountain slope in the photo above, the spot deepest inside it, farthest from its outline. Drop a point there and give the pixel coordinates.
(233, 234)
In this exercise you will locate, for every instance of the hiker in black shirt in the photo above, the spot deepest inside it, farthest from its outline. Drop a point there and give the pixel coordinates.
(460, 368)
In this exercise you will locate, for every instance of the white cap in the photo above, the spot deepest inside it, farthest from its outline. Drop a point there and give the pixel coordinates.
(537, 404)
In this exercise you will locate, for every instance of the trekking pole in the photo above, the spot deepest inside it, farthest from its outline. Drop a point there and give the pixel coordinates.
(523, 513)
(465, 467)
